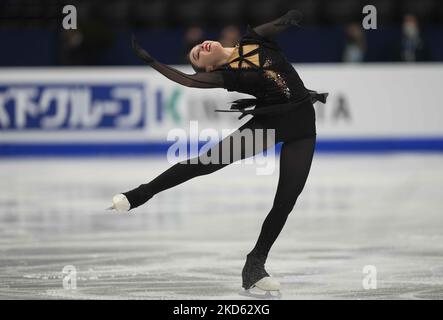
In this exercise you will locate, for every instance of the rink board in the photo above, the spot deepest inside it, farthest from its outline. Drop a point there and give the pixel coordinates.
(92, 111)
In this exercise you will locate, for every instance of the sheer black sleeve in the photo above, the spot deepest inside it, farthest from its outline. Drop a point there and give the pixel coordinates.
(271, 29)
(198, 80)
(212, 79)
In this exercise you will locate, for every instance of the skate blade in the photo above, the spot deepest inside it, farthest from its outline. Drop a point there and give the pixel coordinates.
(261, 294)
(111, 210)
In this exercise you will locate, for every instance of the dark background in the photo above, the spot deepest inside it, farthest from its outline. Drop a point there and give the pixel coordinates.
(31, 32)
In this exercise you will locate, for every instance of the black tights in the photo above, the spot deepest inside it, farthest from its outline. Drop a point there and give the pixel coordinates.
(295, 162)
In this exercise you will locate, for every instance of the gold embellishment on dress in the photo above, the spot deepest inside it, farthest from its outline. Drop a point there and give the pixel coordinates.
(246, 49)
(268, 63)
(279, 81)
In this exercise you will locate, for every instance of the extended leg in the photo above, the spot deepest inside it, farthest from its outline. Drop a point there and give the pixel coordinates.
(188, 169)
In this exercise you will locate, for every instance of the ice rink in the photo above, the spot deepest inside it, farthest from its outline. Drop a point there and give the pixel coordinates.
(383, 210)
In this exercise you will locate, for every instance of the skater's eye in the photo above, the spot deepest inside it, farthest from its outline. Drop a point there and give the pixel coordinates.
(196, 55)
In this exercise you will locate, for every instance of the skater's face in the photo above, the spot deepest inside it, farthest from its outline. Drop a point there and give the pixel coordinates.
(207, 55)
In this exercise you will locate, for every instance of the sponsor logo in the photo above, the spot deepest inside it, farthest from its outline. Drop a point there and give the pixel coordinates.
(72, 106)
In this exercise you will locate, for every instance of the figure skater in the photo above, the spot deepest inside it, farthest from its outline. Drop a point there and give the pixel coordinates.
(255, 66)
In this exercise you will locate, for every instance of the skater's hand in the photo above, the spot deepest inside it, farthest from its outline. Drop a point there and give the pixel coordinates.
(140, 52)
(291, 18)
(271, 29)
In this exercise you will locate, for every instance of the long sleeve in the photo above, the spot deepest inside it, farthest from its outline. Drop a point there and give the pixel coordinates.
(271, 29)
(198, 80)
(207, 80)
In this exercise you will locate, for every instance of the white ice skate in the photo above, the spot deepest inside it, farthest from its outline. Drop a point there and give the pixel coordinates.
(120, 203)
(265, 288)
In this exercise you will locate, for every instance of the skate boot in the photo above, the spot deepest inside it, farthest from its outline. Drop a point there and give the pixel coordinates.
(126, 201)
(256, 281)
(120, 203)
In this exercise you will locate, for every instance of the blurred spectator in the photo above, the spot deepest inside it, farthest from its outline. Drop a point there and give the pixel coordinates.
(229, 36)
(413, 46)
(70, 47)
(355, 47)
(87, 45)
(193, 36)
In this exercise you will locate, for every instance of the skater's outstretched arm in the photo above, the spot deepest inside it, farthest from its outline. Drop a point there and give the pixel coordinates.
(198, 80)
(271, 29)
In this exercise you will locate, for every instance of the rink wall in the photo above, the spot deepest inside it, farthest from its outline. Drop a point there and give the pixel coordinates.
(122, 111)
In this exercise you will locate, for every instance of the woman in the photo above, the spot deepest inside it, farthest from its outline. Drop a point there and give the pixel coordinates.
(256, 66)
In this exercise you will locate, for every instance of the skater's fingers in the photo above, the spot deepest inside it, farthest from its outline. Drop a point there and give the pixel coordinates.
(292, 18)
(140, 52)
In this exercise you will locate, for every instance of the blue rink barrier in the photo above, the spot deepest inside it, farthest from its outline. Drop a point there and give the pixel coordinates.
(381, 145)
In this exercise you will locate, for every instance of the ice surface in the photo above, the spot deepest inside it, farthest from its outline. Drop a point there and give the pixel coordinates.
(190, 242)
